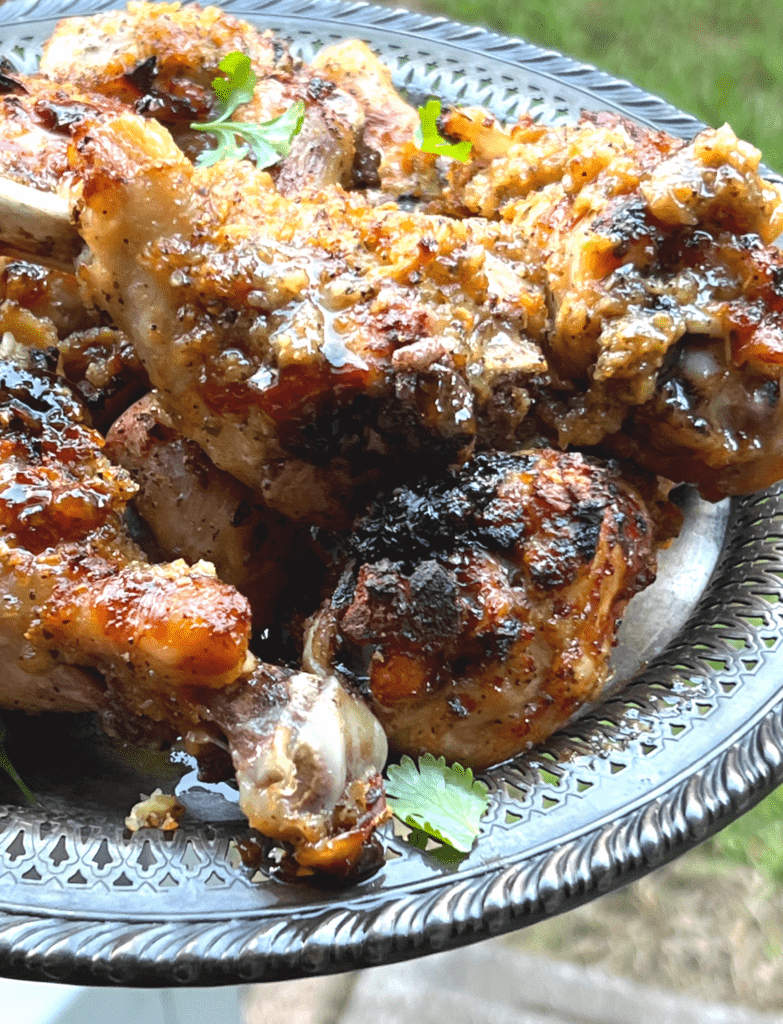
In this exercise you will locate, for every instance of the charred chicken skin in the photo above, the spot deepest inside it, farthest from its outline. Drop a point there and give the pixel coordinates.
(602, 284)
(477, 613)
(666, 332)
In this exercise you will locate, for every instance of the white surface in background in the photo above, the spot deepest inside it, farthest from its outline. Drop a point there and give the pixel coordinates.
(28, 1002)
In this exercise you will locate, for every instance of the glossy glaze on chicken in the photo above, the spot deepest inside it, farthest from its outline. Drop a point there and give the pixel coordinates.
(556, 287)
(346, 422)
(268, 324)
(161, 651)
(665, 339)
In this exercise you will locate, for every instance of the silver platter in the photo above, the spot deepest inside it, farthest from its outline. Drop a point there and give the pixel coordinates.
(692, 740)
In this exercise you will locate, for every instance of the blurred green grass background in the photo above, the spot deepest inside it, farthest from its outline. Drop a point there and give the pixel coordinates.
(722, 61)
(755, 839)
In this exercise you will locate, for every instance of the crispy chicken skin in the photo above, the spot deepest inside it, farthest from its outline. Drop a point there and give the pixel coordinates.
(612, 328)
(51, 296)
(600, 285)
(184, 45)
(666, 334)
(294, 342)
(160, 650)
(37, 117)
(160, 59)
(42, 310)
(477, 612)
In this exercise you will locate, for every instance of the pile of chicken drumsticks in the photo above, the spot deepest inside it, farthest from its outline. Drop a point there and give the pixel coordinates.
(367, 449)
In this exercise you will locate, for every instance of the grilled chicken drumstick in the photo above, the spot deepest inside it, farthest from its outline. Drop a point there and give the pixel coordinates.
(477, 612)
(160, 650)
(600, 285)
(196, 511)
(665, 341)
(160, 60)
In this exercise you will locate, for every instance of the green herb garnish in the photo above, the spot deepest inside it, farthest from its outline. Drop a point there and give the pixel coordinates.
(6, 766)
(447, 803)
(429, 140)
(269, 141)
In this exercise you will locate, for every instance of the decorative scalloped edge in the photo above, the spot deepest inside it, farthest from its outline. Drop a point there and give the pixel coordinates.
(252, 949)
(454, 909)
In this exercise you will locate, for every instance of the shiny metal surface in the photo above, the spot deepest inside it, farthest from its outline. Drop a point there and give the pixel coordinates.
(692, 740)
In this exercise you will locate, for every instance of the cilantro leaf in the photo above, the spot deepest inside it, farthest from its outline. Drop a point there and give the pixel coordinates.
(447, 803)
(444, 853)
(268, 141)
(428, 138)
(239, 84)
(8, 768)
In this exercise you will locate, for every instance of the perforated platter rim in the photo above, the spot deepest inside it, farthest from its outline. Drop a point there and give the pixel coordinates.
(692, 742)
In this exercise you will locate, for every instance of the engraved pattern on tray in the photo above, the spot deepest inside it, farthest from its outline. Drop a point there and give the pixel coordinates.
(693, 741)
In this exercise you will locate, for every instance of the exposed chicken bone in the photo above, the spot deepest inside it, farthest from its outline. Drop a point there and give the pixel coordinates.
(36, 223)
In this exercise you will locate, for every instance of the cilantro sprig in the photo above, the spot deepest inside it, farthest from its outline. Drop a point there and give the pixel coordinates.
(447, 803)
(429, 140)
(269, 141)
(8, 768)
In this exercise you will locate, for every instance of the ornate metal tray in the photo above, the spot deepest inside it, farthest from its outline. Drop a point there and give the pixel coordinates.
(693, 740)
